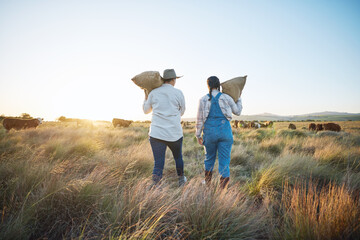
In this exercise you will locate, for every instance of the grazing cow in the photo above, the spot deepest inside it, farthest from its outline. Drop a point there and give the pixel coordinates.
(292, 126)
(332, 127)
(269, 124)
(18, 123)
(266, 124)
(254, 124)
(236, 124)
(245, 124)
(319, 127)
(121, 122)
(312, 127)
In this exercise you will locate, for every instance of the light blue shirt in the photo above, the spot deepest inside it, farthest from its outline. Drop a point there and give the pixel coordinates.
(168, 105)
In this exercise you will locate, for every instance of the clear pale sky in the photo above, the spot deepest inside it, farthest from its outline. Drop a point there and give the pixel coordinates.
(77, 58)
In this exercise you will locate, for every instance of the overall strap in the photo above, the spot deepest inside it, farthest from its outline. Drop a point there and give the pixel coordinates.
(218, 96)
(215, 98)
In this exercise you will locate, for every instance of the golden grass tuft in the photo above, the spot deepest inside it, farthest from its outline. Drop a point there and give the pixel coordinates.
(213, 213)
(312, 213)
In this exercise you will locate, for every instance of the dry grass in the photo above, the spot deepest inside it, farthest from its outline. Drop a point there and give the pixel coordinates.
(330, 212)
(63, 181)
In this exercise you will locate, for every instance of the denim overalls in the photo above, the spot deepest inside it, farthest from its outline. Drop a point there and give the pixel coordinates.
(217, 138)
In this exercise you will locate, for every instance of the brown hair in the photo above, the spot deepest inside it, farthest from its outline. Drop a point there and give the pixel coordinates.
(213, 82)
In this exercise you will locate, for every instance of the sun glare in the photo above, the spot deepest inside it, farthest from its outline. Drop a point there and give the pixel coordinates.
(89, 100)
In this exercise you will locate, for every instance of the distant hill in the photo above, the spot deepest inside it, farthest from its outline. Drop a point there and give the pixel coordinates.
(320, 116)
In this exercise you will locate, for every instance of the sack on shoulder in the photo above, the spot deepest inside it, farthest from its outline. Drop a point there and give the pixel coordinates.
(148, 80)
(234, 87)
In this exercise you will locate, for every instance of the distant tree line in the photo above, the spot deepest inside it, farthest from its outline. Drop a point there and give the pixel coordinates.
(22, 116)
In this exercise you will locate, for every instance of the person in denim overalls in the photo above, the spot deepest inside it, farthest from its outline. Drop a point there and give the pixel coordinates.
(214, 115)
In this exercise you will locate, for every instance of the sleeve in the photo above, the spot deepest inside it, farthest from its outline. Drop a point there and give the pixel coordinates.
(200, 119)
(236, 108)
(182, 104)
(147, 108)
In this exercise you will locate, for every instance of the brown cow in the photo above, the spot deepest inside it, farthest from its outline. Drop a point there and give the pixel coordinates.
(236, 124)
(18, 123)
(121, 122)
(312, 127)
(319, 127)
(243, 124)
(269, 124)
(255, 124)
(332, 127)
(292, 126)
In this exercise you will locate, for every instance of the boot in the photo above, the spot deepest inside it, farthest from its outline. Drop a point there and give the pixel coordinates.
(224, 181)
(156, 179)
(182, 180)
(208, 175)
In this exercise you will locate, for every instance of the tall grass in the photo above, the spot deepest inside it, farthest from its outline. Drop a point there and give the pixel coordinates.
(211, 213)
(68, 182)
(312, 213)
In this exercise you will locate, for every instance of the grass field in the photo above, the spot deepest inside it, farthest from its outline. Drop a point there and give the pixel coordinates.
(93, 182)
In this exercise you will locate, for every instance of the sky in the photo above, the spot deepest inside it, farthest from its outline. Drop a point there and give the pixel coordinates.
(76, 58)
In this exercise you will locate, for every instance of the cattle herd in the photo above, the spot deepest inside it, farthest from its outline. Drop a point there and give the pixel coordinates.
(251, 124)
(326, 126)
(312, 126)
(320, 127)
(18, 124)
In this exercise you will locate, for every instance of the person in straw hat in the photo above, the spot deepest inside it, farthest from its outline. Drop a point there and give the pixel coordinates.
(213, 119)
(167, 105)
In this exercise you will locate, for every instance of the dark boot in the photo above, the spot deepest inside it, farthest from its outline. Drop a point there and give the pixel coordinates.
(156, 179)
(182, 181)
(208, 175)
(224, 181)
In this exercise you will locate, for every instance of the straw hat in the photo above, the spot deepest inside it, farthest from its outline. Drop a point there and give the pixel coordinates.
(169, 74)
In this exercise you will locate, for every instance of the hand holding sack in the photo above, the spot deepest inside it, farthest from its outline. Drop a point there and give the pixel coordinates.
(148, 80)
(234, 87)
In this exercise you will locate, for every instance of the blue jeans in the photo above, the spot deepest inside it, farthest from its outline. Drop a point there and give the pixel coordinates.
(159, 148)
(220, 141)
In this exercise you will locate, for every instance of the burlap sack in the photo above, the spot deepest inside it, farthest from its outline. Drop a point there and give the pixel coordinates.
(234, 87)
(148, 80)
